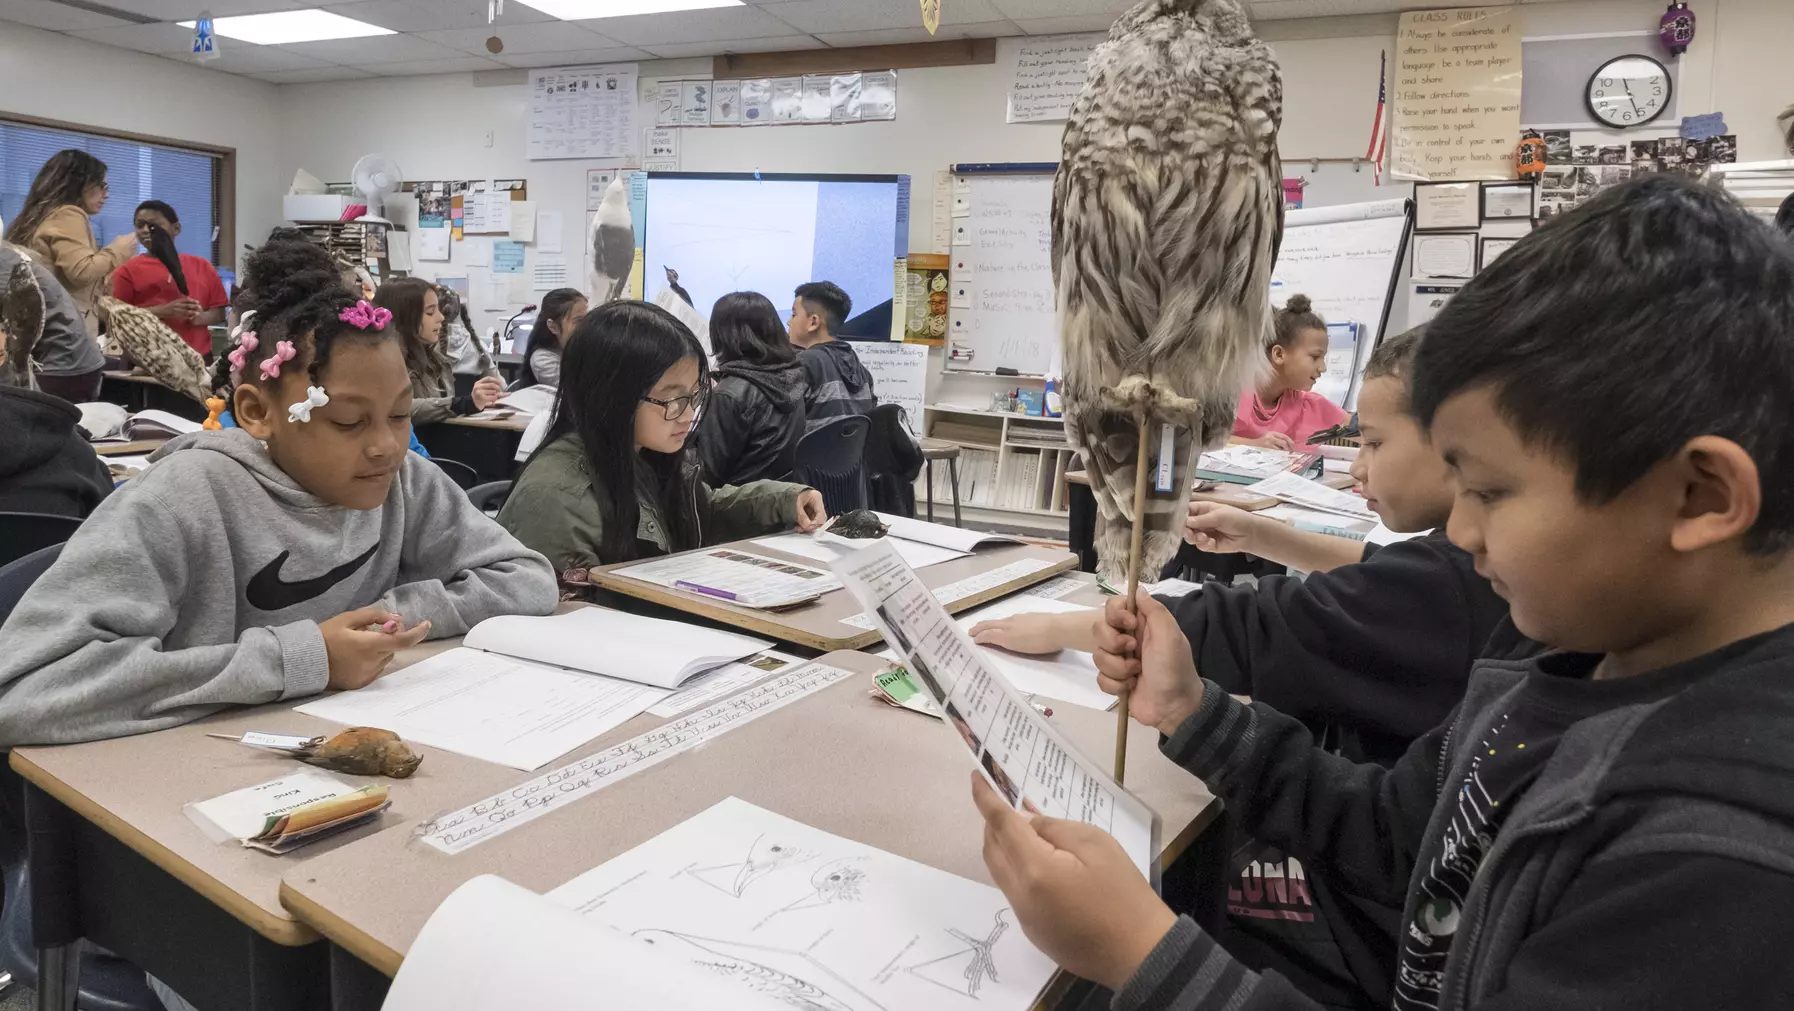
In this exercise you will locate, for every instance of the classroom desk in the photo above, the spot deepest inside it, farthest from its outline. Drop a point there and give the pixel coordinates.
(137, 392)
(488, 446)
(105, 449)
(372, 897)
(818, 625)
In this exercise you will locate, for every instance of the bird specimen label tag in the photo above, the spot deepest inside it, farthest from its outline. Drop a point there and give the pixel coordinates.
(1025, 758)
(1167, 457)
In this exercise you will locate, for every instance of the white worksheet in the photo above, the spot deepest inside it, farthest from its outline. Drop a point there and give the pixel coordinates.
(827, 548)
(818, 921)
(736, 576)
(721, 682)
(1068, 675)
(598, 640)
(491, 707)
(1019, 752)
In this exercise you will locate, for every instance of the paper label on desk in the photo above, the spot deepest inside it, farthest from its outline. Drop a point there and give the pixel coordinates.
(823, 921)
(723, 681)
(476, 823)
(1018, 751)
(969, 586)
(736, 576)
(242, 814)
(1057, 587)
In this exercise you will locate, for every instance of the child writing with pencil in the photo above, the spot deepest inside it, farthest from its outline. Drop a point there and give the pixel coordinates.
(1605, 825)
(296, 553)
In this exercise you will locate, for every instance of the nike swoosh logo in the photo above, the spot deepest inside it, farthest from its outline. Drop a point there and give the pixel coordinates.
(268, 592)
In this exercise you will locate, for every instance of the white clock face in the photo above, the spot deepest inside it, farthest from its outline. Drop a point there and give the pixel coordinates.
(1629, 91)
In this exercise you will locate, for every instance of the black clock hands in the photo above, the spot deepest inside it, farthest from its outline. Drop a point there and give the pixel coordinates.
(1627, 84)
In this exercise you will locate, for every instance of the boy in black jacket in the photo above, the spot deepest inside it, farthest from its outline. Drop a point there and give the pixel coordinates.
(1606, 826)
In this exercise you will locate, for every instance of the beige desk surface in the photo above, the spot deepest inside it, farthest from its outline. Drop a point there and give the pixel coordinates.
(837, 760)
(133, 377)
(818, 625)
(512, 423)
(134, 789)
(127, 448)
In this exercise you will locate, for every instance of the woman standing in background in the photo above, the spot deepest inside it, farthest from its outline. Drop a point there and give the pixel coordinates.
(56, 224)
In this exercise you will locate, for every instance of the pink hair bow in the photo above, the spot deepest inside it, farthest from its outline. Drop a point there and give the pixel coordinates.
(245, 345)
(366, 316)
(283, 352)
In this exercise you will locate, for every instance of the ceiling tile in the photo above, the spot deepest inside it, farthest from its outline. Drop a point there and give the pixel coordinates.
(433, 15)
(243, 58)
(187, 10)
(780, 44)
(54, 17)
(543, 37)
(1018, 9)
(313, 75)
(899, 36)
(1066, 26)
(454, 65)
(374, 49)
(819, 16)
(161, 39)
(573, 57)
(715, 24)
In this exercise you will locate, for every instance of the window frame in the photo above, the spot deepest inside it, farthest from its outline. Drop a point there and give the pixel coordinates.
(224, 172)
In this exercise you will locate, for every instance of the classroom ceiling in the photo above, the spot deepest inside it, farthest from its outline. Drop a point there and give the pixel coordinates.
(449, 36)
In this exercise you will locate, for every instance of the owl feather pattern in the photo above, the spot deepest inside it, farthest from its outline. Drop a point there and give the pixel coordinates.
(1167, 214)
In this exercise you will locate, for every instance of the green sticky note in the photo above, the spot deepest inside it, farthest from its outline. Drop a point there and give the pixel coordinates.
(897, 683)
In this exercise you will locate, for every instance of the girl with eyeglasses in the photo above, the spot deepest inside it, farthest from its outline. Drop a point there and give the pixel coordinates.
(616, 477)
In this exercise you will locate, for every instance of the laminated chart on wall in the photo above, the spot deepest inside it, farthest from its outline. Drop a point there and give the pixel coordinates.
(1046, 76)
(583, 112)
(1001, 274)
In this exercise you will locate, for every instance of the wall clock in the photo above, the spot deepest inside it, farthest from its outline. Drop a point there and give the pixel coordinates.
(1628, 91)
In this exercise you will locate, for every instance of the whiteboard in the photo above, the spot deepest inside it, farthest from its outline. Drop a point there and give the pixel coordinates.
(1344, 259)
(1002, 259)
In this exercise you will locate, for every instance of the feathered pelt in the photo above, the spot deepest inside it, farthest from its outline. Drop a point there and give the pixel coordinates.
(21, 321)
(1167, 213)
(612, 244)
(157, 350)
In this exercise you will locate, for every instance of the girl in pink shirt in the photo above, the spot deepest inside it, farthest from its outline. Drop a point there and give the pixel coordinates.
(1283, 412)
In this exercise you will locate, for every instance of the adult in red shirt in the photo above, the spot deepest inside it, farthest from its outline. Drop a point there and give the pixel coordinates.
(145, 281)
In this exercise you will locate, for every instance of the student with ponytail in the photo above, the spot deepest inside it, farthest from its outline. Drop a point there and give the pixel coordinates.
(1284, 410)
(294, 554)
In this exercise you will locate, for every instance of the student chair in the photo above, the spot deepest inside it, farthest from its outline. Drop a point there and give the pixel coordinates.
(832, 460)
(105, 983)
(489, 497)
(465, 477)
(23, 533)
(893, 462)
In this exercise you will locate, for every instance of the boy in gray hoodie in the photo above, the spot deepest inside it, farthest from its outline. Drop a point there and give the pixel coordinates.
(1608, 825)
(296, 553)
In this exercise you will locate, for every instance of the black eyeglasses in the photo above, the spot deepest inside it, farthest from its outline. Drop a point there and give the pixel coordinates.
(676, 407)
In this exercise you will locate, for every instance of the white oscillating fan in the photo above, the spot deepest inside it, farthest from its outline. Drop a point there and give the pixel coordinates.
(375, 176)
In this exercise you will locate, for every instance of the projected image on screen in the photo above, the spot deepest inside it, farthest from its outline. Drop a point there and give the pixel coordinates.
(734, 233)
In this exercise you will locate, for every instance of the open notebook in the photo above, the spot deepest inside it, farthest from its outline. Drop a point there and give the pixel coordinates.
(523, 691)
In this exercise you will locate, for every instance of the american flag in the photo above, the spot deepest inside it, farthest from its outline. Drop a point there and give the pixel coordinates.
(1379, 130)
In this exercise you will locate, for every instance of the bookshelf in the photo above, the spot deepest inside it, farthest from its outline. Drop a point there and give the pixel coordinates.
(1011, 466)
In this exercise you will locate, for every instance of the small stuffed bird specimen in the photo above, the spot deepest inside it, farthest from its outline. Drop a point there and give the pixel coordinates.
(673, 283)
(22, 322)
(1167, 214)
(364, 751)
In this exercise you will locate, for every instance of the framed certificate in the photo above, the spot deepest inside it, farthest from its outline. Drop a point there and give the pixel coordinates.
(1445, 255)
(1491, 248)
(1509, 201)
(1445, 205)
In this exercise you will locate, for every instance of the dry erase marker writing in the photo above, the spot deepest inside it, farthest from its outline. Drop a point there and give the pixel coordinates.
(709, 591)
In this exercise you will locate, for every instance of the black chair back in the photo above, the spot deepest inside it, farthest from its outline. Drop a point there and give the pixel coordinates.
(893, 462)
(23, 533)
(488, 497)
(465, 477)
(831, 459)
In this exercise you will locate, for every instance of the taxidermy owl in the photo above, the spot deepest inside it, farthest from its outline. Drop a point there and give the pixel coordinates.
(157, 350)
(613, 244)
(1167, 214)
(21, 323)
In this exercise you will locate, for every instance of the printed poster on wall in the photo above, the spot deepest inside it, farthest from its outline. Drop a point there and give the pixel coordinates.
(1456, 101)
(583, 112)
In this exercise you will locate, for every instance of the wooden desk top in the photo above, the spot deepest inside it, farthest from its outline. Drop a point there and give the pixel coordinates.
(837, 760)
(818, 625)
(510, 423)
(134, 788)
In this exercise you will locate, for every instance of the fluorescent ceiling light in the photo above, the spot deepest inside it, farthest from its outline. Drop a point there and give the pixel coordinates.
(292, 26)
(585, 10)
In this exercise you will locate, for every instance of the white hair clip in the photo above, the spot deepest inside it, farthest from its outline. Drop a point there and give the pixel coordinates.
(314, 397)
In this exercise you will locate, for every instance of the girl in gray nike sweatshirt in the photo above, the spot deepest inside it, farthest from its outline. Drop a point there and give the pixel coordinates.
(296, 553)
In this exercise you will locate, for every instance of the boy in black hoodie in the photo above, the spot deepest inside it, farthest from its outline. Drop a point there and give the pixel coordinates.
(1606, 826)
(836, 383)
(46, 465)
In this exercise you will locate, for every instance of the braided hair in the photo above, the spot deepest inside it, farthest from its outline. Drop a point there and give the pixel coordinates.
(293, 291)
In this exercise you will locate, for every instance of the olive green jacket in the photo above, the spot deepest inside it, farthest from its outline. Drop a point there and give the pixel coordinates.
(554, 509)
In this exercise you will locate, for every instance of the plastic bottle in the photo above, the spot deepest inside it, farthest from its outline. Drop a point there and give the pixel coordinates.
(1053, 407)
